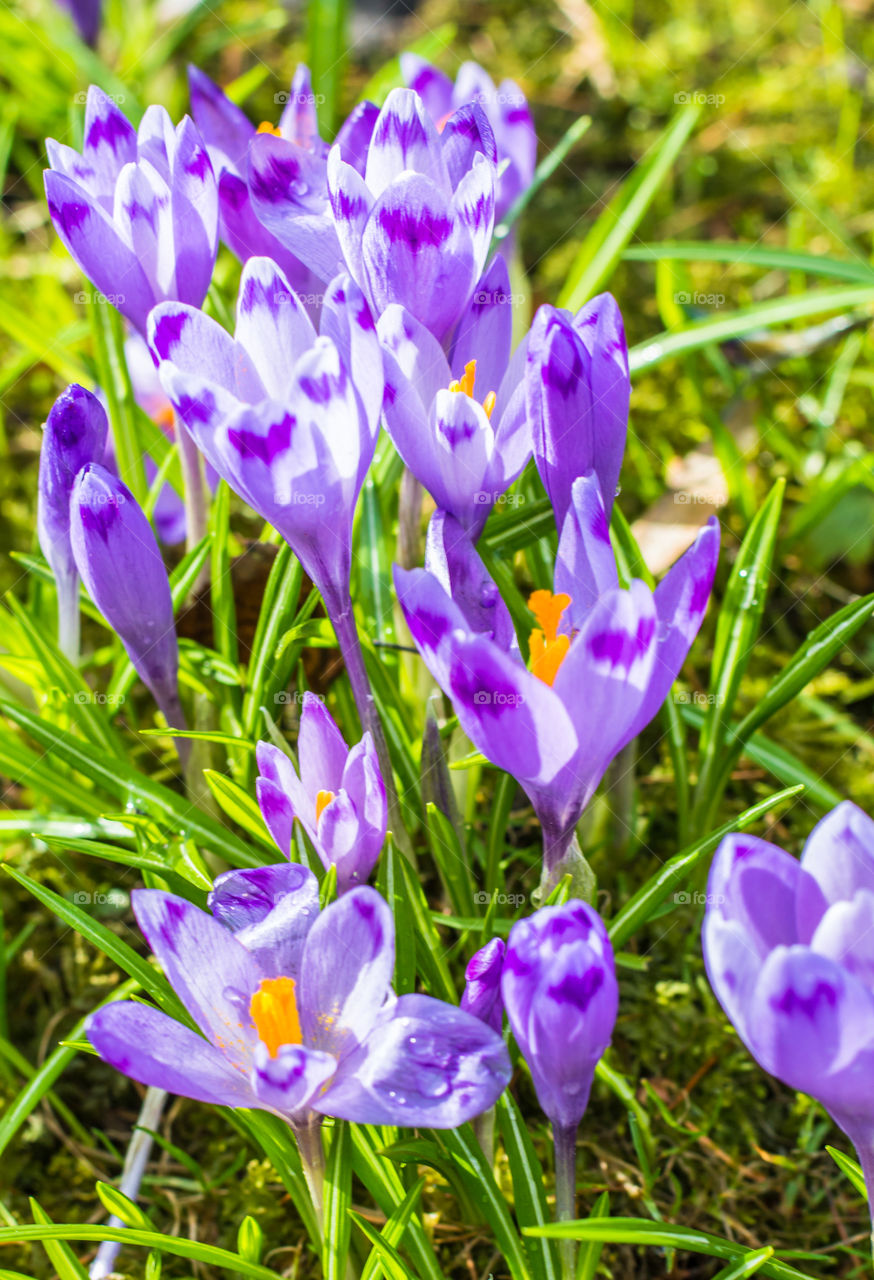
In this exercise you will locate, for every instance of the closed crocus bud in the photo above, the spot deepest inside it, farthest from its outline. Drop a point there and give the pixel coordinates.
(482, 990)
(338, 796)
(75, 434)
(788, 949)
(560, 992)
(119, 562)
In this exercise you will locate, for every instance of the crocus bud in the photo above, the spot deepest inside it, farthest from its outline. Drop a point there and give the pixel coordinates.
(119, 561)
(75, 434)
(482, 990)
(560, 992)
(787, 945)
(338, 797)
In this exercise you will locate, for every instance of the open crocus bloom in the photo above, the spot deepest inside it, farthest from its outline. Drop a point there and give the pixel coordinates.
(294, 142)
(138, 209)
(505, 106)
(338, 796)
(296, 1011)
(287, 418)
(602, 657)
(789, 949)
(459, 422)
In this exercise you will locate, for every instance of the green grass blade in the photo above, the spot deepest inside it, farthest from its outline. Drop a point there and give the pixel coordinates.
(529, 1197)
(604, 244)
(738, 253)
(338, 1199)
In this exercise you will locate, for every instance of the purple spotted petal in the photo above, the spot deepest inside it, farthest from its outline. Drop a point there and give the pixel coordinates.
(453, 560)
(288, 188)
(585, 567)
(154, 1049)
(212, 973)
(272, 325)
(223, 126)
(485, 331)
(347, 967)
(291, 1083)
(424, 1063)
(270, 910)
(466, 134)
(482, 991)
(404, 141)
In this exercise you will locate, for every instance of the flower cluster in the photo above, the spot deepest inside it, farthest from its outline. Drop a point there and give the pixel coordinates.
(370, 295)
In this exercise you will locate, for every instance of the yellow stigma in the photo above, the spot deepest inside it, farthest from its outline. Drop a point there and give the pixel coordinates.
(274, 1012)
(548, 649)
(466, 384)
(323, 799)
(266, 127)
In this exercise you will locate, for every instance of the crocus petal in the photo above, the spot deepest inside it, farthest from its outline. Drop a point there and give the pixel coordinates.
(289, 195)
(281, 795)
(320, 746)
(212, 973)
(299, 121)
(424, 1063)
(225, 129)
(418, 357)
(846, 935)
(119, 561)
(466, 134)
(157, 1051)
(733, 964)
(586, 566)
(459, 471)
(195, 212)
(270, 910)
(109, 139)
(417, 253)
(485, 331)
(754, 883)
(681, 601)
(811, 1024)
(199, 347)
(347, 320)
(354, 134)
(451, 556)
(351, 204)
(272, 325)
(96, 245)
(347, 966)
(291, 1082)
(404, 140)
(432, 85)
(75, 434)
(839, 853)
(474, 204)
(482, 991)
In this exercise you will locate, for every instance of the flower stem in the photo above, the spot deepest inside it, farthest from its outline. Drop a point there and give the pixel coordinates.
(195, 491)
(565, 1140)
(312, 1159)
(409, 520)
(67, 588)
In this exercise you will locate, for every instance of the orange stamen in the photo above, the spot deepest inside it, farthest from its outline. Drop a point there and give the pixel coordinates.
(323, 799)
(273, 1010)
(466, 384)
(266, 127)
(547, 648)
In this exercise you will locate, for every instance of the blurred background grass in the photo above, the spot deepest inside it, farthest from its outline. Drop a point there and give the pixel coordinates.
(781, 157)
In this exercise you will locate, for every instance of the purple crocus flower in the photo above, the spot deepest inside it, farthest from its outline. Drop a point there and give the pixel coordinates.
(578, 391)
(410, 213)
(137, 209)
(75, 434)
(228, 134)
(295, 1011)
(459, 422)
(482, 990)
(788, 950)
(602, 657)
(505, 106)
(338, 796)
(560, 992)
(287, 418)
(118, 559)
